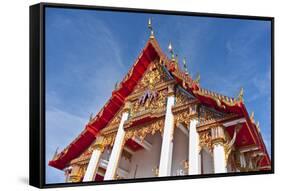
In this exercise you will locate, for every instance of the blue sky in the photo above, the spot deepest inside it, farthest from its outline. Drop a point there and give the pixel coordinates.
(87, 51)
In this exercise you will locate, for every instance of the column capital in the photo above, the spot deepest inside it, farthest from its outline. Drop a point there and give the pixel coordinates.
(93, 164)
(75, 174)
(99, 144)
(193, 112)
(218, 135)
(127, 106)
(171, 90)
(205, 140)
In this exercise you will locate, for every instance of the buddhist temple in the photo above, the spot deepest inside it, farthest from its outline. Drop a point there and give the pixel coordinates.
(160, 122)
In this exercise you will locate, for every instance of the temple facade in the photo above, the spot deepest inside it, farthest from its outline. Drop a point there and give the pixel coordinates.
(161, 122)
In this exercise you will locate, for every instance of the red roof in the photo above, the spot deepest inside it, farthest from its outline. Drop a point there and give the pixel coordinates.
(150, 52)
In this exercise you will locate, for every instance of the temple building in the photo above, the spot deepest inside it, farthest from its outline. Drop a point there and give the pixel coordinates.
(161, 122)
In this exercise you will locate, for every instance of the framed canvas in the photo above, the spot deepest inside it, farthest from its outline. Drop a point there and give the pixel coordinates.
(122, 95)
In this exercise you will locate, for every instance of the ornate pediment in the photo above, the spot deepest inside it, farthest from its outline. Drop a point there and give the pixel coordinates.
(208, 115)
(151, 101)
(152, 77)
(150, 93)
(182, 97)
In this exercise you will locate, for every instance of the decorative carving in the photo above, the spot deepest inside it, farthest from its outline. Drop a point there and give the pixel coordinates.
(143, 130)
(113, 124)
(150, 101)
(221, 100)
(182, 117)
(182, 99)
(151, 78)
(208, 116)
(109, 140)
(205, 140)
(228, 146)
(77, 172)
(256, 158)
(116, 120)
(155, 171)
(251, 161)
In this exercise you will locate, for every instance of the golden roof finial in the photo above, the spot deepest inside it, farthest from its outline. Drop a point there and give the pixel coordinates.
(170, 48)
(252, 116)
(241, 94)
(258, 126)
(116, 86)
(197, 79)
(91, 117)
(56, 153)
(177, 61)
(150, 28)
(185, 65)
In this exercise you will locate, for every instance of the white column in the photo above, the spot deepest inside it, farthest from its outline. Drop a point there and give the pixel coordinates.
(194, 158)
(167, 141)
(93, 165)
(116, 150)
(219, 158)
(218, 140)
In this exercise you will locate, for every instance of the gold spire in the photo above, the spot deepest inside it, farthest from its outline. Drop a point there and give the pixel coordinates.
(150, 28)
(240, 95)
(197, 80)
(116, 86)
(56, 153)
(91, 117)
(170, 48)
(185, 65)
(252, 116)
(177, 61)
(258, 126)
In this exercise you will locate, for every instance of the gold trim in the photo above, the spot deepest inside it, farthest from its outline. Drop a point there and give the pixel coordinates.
(143, 130)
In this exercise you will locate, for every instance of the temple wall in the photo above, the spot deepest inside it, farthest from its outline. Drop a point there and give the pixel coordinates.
(125, 164)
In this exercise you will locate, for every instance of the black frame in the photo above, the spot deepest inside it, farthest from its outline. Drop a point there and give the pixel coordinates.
(37, 94)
